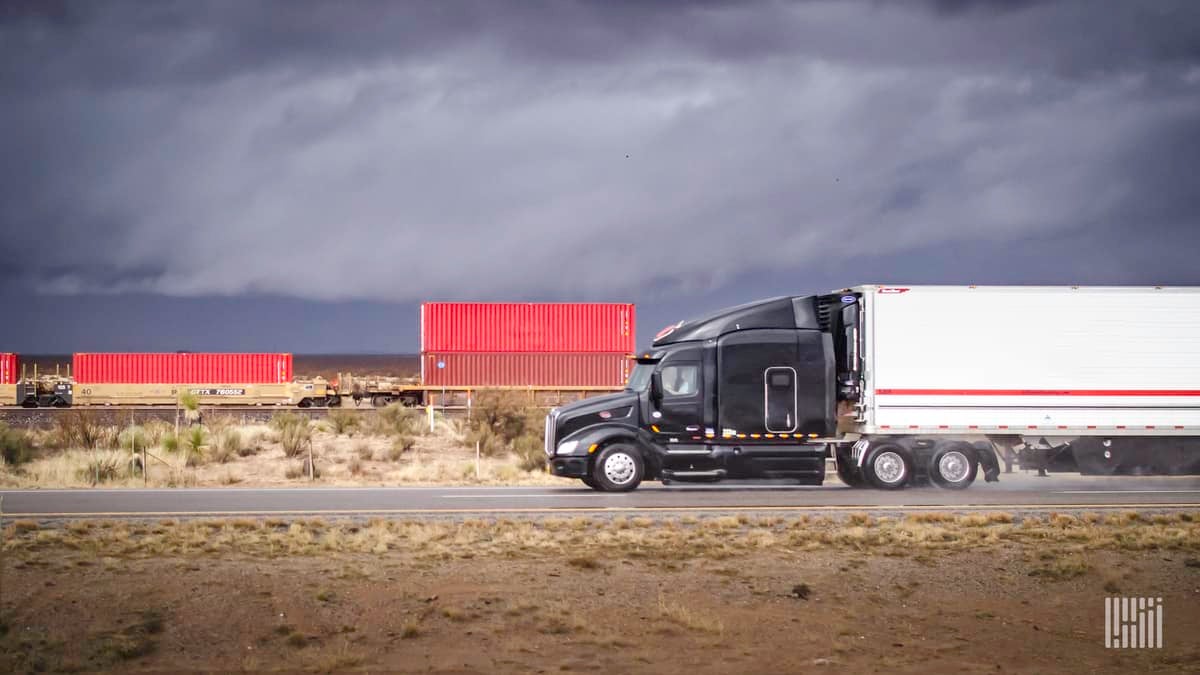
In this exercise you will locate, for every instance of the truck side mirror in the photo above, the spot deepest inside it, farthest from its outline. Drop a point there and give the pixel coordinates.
(656, 388)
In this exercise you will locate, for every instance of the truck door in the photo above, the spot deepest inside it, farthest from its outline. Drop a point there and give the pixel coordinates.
(679, 413)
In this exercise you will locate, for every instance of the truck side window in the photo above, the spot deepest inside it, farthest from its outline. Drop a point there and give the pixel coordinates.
(682, 380)
(780, 399)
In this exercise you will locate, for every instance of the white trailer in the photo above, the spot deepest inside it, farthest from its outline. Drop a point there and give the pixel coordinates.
(1108, 377)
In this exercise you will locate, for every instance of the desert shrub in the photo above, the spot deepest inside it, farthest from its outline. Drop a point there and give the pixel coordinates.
(169, 442)
(80, 429)
(102, 468)
(155, 430)
(490, 443)
(342, 421)
(398, 420)
(507, 413)
(355, 466)
(363, 451)
(15, 446)
(228, 444)
(133, 438)
(294, 439)
(503, 421)
(195, 442)
(285, 420)
(529, 452)
(300, 470)
(401, 445)
(254, 446)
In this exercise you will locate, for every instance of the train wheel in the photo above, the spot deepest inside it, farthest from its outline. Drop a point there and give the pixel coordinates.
(888, 467)
(380, 401)
(305, 403)
(333, 401)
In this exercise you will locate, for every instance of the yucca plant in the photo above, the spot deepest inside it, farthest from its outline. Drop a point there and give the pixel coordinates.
(195, 442)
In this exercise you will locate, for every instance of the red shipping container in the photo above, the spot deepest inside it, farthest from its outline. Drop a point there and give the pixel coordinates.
(525, 369)
(8, 368)
(527, 327)
(188, 368)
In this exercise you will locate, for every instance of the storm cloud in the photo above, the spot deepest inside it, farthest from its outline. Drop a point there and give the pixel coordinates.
(593, 150)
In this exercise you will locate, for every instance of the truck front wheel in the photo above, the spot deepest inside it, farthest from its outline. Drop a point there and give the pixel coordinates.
(618, 468)
(888, 467)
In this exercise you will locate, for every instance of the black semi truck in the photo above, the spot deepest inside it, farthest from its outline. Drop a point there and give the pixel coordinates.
(901, 385)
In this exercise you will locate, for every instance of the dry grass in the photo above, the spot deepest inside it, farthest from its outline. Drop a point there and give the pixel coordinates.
(583, 542)
(690, 619)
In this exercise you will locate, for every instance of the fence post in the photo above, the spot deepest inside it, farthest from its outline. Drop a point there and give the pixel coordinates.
(476, 460)
(311, 467)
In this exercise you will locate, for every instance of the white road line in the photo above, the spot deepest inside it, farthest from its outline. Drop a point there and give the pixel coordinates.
(576, 494)
(1126, 492)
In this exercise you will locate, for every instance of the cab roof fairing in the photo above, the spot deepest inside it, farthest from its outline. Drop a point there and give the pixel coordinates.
(777, 312)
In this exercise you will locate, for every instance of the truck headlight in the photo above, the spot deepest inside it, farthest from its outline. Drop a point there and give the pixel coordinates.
(567, 447)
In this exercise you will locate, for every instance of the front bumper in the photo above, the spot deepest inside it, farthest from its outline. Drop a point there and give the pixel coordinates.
(569, 467)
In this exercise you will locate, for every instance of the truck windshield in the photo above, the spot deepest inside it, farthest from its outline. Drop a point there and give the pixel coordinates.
(639, 379)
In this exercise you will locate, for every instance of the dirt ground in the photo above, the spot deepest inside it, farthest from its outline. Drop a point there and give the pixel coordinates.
(593, 596)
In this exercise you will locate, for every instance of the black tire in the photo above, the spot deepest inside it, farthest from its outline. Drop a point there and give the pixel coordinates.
(305, 403)
(953, 466)
(888, 467)
(613, 464)
(587, 480)
(333, 401)
(380, 401)
(848, 472)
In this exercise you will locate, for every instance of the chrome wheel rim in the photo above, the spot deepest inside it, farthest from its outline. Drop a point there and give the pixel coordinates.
(954, 467)
(619, 468)
(889, 467)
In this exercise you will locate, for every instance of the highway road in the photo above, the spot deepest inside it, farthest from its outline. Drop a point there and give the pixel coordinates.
(1013, 493)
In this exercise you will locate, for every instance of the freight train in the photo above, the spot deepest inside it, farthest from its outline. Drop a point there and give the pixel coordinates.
(902, 384)
(554, 351)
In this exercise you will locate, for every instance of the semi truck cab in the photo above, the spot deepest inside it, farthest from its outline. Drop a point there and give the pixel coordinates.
(748, 392)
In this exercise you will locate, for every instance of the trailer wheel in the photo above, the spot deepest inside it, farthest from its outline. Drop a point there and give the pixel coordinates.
(618, 468)
(888, 467)
(953, 466)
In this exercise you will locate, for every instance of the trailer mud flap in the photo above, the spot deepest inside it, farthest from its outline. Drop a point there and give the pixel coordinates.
(988, 462)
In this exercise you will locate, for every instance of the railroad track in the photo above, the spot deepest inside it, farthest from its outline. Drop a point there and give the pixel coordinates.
(36, 418)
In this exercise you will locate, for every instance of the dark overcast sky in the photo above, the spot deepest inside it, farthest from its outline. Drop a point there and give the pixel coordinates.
(298, 175)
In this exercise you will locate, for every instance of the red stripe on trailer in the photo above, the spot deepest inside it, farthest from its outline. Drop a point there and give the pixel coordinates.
(1038, 392)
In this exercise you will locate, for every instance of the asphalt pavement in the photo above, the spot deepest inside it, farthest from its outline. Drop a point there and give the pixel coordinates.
(1013, 492)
